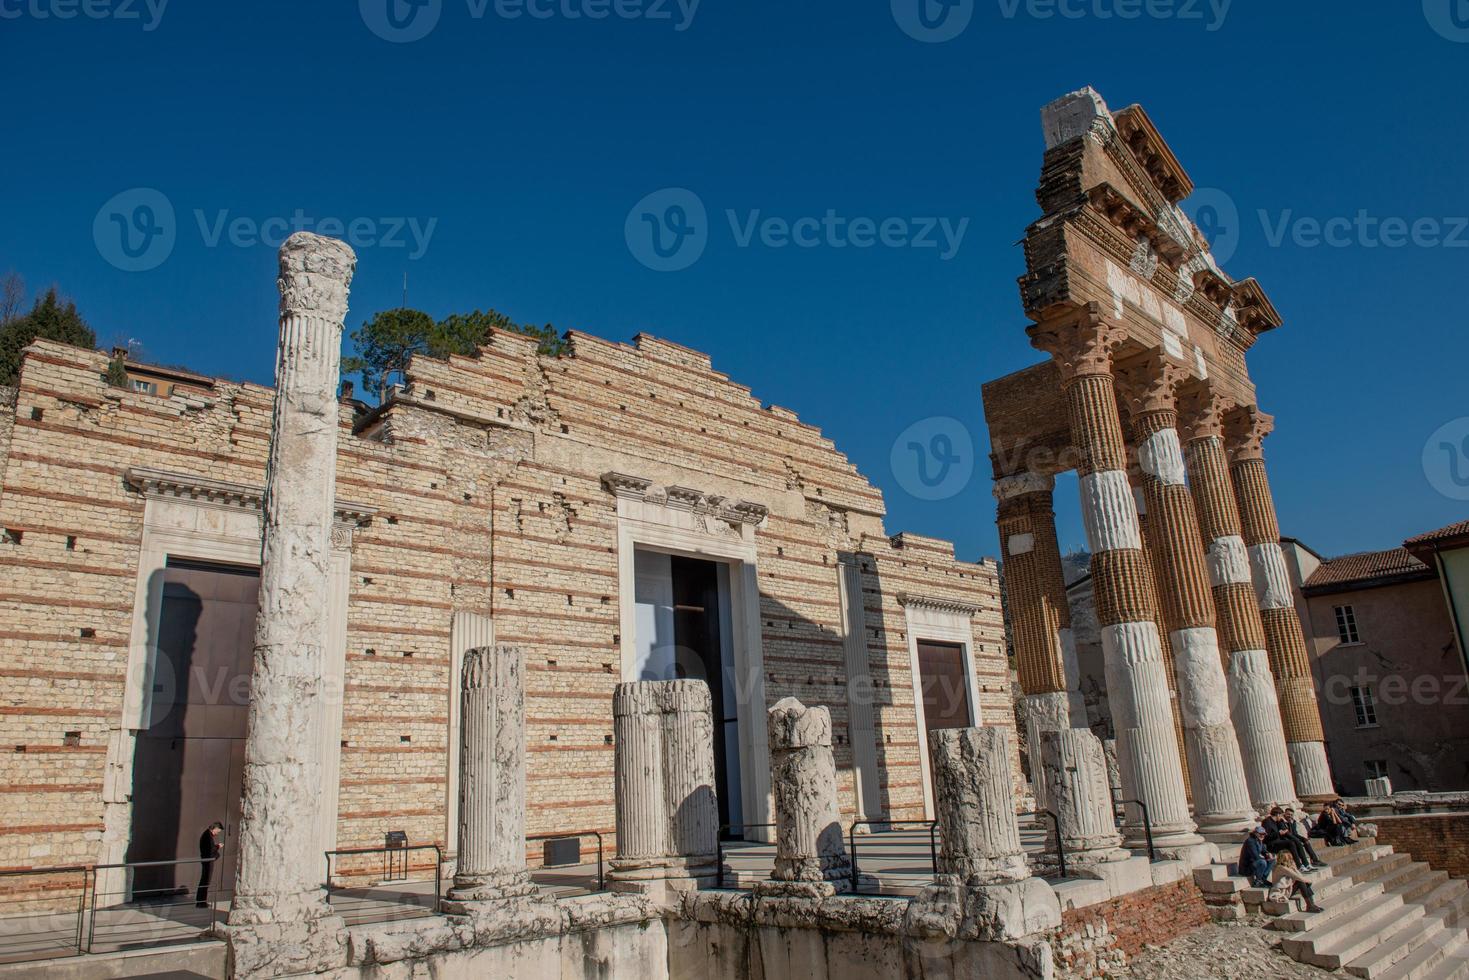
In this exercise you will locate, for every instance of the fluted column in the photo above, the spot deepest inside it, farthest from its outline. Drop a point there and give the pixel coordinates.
(1220, 791)
(1300, 713)
(279, 920)
(1137, 684)
(810, 851)
(491, 862)
(974, 804)
(1035, 589)
(1075, 773)
(663, 772)
(1253, 704)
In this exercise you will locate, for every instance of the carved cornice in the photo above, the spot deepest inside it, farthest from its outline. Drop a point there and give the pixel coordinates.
(686, 499)
(1253, 308)
(624, 485)
(1135, 224)
(906, 599)
(185, 486)
(1139, 135)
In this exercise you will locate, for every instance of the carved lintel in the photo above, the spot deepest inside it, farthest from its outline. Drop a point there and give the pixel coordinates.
(186, 486)
(746, 512)
(906, 599)
(683, 498)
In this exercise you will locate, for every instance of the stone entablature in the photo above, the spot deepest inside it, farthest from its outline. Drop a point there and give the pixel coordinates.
(484, 484)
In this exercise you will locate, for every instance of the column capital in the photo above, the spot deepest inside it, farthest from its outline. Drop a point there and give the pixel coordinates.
(1149, 383)
(315, 274)
(1245, 429)
(1082, 344)
(1201, 410)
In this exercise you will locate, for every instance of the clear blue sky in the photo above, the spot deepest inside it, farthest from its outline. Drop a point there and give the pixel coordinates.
(529, 140)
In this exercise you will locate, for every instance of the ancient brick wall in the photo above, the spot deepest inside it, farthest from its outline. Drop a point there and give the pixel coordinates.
(1440, 839)
(486, 479)
(1098, 940)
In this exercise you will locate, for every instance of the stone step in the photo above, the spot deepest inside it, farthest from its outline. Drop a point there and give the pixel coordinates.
(1444, 917)
(1445, 958)
(1341, 904)
(1335, 942)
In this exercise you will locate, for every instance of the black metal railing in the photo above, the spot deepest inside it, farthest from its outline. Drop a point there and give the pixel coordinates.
(719, 846)
(1060, 846)
(1147, 828)
(578, 835)
(124, 913)
(933, 846)
(371, 903)
(44, 933)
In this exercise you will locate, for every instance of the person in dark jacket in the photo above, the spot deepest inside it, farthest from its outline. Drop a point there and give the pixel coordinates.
(1293, 827)
(1279, 838)
(1255, 862)
(211, 843)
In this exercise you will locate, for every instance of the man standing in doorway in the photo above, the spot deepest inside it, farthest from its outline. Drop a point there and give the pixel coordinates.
(211, 843)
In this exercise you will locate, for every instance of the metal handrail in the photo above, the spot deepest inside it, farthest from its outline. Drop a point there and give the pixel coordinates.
(88, 876)
(601, 878)
(387, 852)
(1060, 846)
(933, 848)
(127, 865)
(1147, 827)
(719, 846)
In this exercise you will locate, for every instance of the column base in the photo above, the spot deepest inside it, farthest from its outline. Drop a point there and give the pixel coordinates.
(1195, 855)
(997, 912)
(770, 888)
(662, 878)
(495, 887)
(262, 944)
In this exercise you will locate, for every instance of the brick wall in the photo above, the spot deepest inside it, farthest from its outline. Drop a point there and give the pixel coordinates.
(486, 477)
(1097, 940)
(1440, 839)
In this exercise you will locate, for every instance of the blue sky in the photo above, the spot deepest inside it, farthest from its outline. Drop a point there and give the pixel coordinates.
(500, 157)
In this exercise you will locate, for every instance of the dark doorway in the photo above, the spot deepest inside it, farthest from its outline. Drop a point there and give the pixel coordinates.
(945, 686)
(188, 762)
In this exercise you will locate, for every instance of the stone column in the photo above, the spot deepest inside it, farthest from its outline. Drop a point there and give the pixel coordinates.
(1035, 590)
(1253, 703)
(666, 812)
(1220, 792)
(279, 922)
(810, 852)
(491, 779)
(1137, 683)
(1075, 768)
(1300, 713)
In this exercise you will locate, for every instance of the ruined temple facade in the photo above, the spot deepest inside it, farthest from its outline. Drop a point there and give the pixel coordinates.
(1146, 396)
(619, 513)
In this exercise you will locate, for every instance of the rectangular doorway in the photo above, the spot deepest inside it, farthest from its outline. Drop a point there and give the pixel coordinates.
(684, 629)
(944, 687)
(188, 761)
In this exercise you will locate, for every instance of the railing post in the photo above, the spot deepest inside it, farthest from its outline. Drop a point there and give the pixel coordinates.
(92, 915)
(933, 846)
(852, 851)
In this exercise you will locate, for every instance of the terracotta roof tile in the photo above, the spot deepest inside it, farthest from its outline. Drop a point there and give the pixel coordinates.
(1395, 563)
(1458, 530)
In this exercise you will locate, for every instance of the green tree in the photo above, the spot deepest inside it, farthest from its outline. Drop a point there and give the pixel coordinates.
(49, 319)
(385, 343)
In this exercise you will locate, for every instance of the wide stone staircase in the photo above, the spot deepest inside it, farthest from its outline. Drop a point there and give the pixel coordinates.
(1387, 917)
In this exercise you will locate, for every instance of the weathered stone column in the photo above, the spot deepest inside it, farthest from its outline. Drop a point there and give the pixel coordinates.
(1300, 713)
(1035, 589)
(984, 889)
(1220, 792)
(666, 812)
(1075, 769)
(1253, 703)
(279, 922)
(491, 779)
(1137, 685)
(809, 850)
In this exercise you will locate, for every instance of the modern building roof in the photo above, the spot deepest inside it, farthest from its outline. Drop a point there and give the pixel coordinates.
(1365, 570)
(1444, 535)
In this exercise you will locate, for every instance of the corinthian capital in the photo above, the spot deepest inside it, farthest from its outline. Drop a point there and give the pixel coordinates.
(315, 273)
(1149, 383)
(1201, 410)
(1245, 429)
(1080, 345)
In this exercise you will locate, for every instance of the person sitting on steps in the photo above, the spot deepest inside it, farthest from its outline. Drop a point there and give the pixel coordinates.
(1287, 882)
(1278, 838)
(1255, 862)
(1293, 828)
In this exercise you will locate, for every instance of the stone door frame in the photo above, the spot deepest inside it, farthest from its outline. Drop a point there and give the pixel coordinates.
(942, 621)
